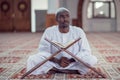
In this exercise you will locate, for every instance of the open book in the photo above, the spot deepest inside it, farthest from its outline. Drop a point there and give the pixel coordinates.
(63, 45)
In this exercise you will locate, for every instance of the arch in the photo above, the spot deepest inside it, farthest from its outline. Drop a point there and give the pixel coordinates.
(79, 13)
(78, 21)
(101, 9)
(96, 24)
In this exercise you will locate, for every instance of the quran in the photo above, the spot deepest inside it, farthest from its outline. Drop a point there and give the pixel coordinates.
(62, 45)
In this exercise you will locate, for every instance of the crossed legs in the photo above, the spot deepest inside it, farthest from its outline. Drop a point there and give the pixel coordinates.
(39, 57)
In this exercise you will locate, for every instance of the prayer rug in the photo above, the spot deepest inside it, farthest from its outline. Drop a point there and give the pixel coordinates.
(91, 74)
(15, 49)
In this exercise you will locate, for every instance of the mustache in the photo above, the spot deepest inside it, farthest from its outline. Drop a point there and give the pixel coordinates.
(66, 22)
(64, 26)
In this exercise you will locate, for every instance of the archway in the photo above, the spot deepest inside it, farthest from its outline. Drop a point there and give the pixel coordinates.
(79, 13)
(78, 21)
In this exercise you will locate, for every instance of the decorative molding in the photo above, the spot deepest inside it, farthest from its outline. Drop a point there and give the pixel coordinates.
(22, 6)
(5, 6)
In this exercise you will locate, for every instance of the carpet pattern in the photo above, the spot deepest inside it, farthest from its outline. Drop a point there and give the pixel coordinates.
(15, 48)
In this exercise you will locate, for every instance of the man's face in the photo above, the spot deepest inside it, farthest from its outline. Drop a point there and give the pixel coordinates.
(63, 19)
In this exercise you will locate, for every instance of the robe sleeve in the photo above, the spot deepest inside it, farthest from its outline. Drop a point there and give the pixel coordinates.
(84, 50)
(45, 46)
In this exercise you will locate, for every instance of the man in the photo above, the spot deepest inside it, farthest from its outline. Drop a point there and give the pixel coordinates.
(62, 33)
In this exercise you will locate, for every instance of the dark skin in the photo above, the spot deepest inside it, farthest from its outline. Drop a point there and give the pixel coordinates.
(63, 23)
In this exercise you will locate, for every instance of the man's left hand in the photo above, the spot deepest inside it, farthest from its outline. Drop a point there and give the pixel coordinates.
(64, 61)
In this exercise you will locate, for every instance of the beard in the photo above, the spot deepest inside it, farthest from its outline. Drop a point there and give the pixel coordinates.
(64, 25)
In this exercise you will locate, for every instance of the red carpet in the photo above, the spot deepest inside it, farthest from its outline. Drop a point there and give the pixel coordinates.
(63, 76)
(16, 47)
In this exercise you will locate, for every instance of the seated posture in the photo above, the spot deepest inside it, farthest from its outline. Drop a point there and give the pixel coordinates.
(62, 33)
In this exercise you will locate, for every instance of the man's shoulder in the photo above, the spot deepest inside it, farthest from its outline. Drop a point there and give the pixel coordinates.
(78, 31)
(51, 28)
(77, 28)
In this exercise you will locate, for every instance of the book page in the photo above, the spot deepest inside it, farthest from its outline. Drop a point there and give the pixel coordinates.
(63, 45)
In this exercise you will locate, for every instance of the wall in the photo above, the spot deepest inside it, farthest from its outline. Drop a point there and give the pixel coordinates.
(52, 6)
(36, 5)
(84, 12)
(72, 6)
(50, 17)
(118, 14)
(40, 16)
(97, 25)
(102, 25)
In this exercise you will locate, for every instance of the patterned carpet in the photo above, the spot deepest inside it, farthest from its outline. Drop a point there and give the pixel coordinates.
(16, 47)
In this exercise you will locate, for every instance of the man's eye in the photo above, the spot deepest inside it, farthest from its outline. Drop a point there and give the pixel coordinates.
(67, 15)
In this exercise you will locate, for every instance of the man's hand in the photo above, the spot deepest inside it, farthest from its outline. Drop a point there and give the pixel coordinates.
(64, 62)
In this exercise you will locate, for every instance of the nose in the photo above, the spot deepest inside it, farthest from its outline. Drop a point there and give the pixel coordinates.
(65, 19)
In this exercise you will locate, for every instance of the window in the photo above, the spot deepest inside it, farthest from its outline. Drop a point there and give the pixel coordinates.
(101, 9)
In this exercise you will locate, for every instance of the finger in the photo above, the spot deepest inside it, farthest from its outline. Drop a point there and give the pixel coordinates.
(64, 64)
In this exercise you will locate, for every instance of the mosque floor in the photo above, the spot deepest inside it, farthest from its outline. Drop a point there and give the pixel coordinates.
(15, 48)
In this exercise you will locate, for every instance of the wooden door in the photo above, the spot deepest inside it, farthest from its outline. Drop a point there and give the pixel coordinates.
(6, 19)
(14, 15)
(22, 15)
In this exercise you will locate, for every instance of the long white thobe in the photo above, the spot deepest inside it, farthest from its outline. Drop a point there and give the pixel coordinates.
(81, 49)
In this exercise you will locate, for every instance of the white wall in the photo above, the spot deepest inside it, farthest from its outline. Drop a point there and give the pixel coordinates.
(52, 6)
(72, 6)
(36, 5)
(101, 25)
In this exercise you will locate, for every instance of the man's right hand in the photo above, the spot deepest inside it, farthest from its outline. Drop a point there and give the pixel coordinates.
(64, 62)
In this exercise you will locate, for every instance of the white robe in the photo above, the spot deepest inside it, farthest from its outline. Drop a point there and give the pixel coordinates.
(81, 49)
